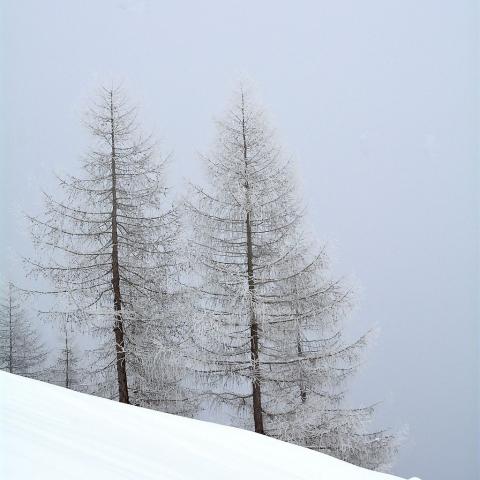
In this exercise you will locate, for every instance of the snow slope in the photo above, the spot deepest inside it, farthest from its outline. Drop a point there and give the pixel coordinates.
(48, 432)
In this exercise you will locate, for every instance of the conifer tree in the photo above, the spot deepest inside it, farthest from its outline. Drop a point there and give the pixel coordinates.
(267, 327)
(108, 247)
(67, 372)
(21, 349)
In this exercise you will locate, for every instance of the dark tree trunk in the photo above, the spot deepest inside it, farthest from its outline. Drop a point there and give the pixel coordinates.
(303, 391)
(256, 386)
(256, 381)
(117, 298)
(67, 366)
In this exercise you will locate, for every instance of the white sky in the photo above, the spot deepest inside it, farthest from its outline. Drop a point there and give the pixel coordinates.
(376, 100)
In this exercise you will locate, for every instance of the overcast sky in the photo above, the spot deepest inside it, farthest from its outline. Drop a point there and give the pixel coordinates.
(377, 102)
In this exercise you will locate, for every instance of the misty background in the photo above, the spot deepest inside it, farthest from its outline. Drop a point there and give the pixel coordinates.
(377, 103)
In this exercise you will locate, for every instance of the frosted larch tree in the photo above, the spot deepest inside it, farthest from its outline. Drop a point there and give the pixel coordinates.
(21, 349)
(108, 247)
(266, 331)
(310, 363)
(66, 371)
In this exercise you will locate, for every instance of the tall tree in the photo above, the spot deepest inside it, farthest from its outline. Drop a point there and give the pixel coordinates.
(110, 241)
(267, 331)
(21, 349)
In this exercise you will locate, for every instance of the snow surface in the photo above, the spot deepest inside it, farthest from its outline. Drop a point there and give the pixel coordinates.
(48, 432)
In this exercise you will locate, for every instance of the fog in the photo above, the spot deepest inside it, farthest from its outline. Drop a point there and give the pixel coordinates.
(377, 103)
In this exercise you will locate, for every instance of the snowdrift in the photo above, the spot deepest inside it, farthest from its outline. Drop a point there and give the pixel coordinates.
(48, 432)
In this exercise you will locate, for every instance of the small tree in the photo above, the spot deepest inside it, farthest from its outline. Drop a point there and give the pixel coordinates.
(160, 379)
(111, 244)
(310, 363)
(21, 349)
(267, 331)
(67, 372)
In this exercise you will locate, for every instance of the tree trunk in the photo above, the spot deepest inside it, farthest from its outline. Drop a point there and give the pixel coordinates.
(256, 381)
(257, 394)
(10, 332)
(67, 366)
(303, 391)
(117, 298)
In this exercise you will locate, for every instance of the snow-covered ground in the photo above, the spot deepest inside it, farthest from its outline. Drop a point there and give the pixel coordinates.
(47, 432)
